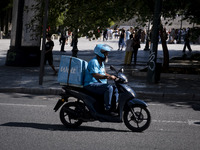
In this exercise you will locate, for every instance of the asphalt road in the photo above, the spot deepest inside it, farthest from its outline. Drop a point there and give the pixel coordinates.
(29, 122)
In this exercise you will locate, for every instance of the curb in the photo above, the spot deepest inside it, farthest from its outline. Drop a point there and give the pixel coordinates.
(167, 75)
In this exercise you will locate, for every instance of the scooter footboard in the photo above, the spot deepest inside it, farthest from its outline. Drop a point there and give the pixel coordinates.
(136, 101)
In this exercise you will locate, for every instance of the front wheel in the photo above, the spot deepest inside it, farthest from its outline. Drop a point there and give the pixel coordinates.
(137, 118)
(68, 115)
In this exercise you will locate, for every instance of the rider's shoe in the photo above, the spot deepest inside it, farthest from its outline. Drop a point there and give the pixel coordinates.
(110, 113)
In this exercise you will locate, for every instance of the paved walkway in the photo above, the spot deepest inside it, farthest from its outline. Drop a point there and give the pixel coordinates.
(26, 79)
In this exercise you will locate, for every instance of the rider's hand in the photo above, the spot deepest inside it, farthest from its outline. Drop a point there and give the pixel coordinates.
(112, 77)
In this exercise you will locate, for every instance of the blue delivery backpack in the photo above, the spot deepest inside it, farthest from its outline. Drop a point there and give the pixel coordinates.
(72, 71)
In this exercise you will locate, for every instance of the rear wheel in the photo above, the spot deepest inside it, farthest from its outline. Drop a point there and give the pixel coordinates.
(137, 118)
(68, 115)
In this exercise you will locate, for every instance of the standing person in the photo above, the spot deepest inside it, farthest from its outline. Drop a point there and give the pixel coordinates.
(136, 46)
(111, 34)
(116, 34)
(62, 42)
(129, 51)
(179, 36)
(128, 33)
(172, 35)
(176, 36)
(96, 77)
(121, 40)
(48, 53)
(187, 41)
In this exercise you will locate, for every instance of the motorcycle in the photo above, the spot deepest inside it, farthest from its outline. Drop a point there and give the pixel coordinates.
(78, 106)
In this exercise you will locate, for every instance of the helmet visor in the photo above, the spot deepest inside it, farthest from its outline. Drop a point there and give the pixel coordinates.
(103, 51)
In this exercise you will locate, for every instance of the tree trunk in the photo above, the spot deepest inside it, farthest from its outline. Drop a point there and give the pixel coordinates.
(75, 43)
(153, 69)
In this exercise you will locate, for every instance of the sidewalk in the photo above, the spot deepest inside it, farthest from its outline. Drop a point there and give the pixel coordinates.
(26, 80)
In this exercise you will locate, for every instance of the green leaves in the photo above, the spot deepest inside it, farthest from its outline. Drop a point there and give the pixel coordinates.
(90, 16)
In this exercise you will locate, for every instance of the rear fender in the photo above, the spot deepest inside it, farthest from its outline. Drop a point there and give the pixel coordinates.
(59, 104)
(64, 98)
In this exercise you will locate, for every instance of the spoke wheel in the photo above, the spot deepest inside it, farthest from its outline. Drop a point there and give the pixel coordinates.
(137, 118)
(69, 119)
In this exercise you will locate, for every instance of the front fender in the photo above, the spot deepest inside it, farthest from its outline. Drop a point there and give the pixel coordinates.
(136, 101)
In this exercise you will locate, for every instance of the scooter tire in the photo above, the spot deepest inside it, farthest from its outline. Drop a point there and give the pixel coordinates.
(67, 119)
(134, 123)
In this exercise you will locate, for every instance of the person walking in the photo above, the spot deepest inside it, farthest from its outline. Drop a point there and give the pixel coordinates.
(105, 34)
(48, 53)
(187, 42)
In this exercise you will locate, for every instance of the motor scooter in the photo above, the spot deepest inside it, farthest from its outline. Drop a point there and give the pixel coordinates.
(78, 106)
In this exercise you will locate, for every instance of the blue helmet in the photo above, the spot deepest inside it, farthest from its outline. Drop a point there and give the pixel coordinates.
(102, 47)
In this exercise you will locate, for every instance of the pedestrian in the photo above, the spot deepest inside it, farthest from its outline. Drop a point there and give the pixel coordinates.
(183, 33)
(116, 34)
(129, 51)
(179, 36)
(96, 77)
(111, 34)
(121, 40)
(62, 41)
(48, 53)
(172, 36)
(105, 34)
(143, 36)
(128, 33)
(176, 36)
(187, 41)
(136, 45)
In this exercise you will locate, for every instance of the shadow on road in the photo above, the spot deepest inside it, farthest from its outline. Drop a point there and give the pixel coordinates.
(176, 103)
(57, 127)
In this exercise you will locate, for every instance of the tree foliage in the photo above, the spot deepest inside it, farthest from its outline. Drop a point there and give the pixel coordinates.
(97, 14)
(5, 8)
(90, 16)
(4, 5)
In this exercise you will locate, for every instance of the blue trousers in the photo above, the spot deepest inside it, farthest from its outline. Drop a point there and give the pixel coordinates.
(121, 43)
(103, 89)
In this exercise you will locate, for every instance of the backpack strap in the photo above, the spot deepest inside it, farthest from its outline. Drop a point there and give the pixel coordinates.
(70, 61)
